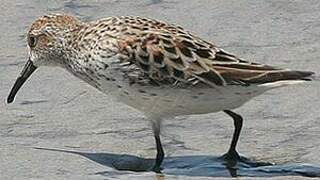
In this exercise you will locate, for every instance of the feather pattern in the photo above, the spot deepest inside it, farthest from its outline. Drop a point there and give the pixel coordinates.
(167, 52)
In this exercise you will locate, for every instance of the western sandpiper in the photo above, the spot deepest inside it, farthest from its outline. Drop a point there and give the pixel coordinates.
(155, 67)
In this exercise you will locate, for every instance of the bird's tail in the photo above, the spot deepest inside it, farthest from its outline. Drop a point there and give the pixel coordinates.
(282, 75)
(289, 77)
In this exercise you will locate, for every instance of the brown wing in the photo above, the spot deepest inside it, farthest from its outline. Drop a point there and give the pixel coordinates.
(254, 73)
(167, 52)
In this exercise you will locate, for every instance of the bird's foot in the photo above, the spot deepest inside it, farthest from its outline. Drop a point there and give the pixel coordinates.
(156, 169)
(233, 157)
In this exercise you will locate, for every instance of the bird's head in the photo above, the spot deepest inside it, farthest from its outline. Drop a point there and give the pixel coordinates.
(47, 38)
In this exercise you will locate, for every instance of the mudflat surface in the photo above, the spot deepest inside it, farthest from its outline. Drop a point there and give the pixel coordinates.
(61, 128)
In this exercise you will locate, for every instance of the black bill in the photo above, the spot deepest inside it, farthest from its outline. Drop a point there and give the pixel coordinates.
(28, 69)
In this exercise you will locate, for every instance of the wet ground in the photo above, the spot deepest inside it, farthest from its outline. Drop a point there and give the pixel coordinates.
(60, 128)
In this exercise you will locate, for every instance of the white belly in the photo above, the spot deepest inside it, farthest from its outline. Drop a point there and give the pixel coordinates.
(168, 101)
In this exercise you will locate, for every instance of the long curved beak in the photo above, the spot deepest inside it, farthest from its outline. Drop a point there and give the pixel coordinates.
(28, 69)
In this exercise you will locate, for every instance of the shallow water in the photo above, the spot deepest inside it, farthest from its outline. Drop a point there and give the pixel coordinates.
(85, 135)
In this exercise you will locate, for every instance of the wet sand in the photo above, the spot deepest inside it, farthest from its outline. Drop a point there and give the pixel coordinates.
(61, 128)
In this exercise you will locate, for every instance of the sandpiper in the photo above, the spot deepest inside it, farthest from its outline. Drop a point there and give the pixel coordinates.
(155, 67)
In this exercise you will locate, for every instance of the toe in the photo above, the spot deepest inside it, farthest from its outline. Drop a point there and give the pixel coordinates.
(231, 155)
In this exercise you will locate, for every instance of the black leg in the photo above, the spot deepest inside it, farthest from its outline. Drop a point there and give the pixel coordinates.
(160, 155)
(232, 156)
(160, 152)
(232, 153)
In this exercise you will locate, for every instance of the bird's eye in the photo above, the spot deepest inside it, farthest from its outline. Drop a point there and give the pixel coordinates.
(32, 41)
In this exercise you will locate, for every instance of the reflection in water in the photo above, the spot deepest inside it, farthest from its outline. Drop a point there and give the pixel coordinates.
(206, 166)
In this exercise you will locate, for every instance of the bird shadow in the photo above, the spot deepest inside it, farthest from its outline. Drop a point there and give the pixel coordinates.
(200, 165)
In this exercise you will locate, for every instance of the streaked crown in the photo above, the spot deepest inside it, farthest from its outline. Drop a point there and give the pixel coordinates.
(47, 37)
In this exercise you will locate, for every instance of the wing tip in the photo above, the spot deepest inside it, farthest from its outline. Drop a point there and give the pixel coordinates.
(283, 75)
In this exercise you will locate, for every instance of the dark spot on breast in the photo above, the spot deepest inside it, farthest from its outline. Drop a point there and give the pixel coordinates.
(119, 86)
(195, 97)
(203, 53)
(103, 76)
(89, 71)
(153, 94)
(105, 56)
(178, 73)
(200, 93)
(126, 92)
(105, 66)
